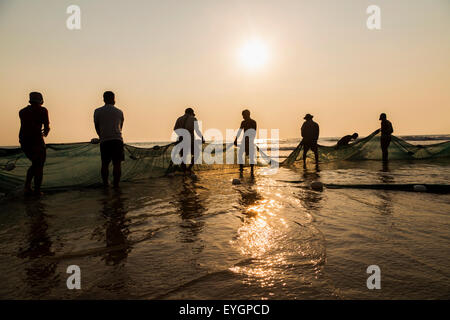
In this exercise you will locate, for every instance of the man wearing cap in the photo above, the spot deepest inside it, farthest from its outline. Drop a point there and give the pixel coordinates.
(108, 122)
(310, 134)
(188, 122)
(31, 138)
(386, 135)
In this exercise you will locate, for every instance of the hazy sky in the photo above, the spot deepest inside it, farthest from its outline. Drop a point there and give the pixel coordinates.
(160, 57)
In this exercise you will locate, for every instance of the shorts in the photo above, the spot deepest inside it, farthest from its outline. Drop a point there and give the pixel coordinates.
(385, 141)
(192, 149)
(248, 148)
(310, 146)
(247, 145)
(112, 150)
(35, 151)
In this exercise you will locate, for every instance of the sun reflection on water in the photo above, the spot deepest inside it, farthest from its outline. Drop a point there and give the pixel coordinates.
(260, 237)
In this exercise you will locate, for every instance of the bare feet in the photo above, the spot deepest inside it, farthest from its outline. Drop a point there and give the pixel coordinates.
(38, 193)
(27, 191)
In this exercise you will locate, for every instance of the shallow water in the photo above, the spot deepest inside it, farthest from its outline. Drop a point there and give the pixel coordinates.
(269, 238)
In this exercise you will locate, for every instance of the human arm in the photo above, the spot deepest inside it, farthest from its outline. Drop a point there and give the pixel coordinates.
(197, 130)
(241, 128)
(96, 123)
(46, 123)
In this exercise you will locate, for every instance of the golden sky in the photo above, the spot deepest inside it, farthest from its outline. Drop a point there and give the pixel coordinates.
(160, 57)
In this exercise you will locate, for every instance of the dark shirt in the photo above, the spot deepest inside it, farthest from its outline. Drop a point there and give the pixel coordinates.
(344, 140)
(245, 126)
(248, 124)
(310, 132)
(32, 118)
(386, 128)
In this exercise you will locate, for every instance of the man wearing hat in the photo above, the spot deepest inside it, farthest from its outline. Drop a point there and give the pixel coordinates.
(31, 138)
(386, 135)
(310, 134)
(188, 122)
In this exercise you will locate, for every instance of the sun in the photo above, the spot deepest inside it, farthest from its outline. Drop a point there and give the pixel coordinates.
(254, 54)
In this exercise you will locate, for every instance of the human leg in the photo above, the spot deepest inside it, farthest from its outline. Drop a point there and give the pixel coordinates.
(105, 150)
(29, 178)
(117, 172)
(38, 164)
(194, 154)
(117, 157)
(305, 151)
(385, 141)
(105, 172)
(315, 149)
(30, 172)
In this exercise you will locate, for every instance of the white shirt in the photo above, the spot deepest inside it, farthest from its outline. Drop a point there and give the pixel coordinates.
(108, 123)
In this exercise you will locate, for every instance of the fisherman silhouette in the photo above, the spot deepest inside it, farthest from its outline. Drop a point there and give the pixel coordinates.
(386, 135)
(345, 140)
(31, 137)
(108, 122)
(188, 122)
(248, 126)
(310, 134)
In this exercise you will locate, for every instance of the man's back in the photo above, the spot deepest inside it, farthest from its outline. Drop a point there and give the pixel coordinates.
(248, 124)
(344, 140)
(310, 131)
(32, 118)
(386, 128)
(187, 122)
(109, 122)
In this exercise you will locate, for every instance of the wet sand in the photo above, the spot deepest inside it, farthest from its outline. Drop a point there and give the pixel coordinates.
(271, 237)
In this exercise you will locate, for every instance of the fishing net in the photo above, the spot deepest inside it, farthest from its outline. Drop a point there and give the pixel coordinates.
(78, 164)
(369, 149)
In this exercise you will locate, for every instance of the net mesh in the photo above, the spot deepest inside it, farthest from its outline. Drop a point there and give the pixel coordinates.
(78, 164)
(369, 149)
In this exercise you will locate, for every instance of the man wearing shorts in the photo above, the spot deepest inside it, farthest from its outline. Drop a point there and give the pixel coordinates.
(248, 126)
(108, 124)
(31, 137)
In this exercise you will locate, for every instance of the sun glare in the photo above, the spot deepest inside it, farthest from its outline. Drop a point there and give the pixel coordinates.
(254, 54)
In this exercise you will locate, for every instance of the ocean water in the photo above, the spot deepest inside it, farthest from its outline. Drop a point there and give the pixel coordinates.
(271, 237)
